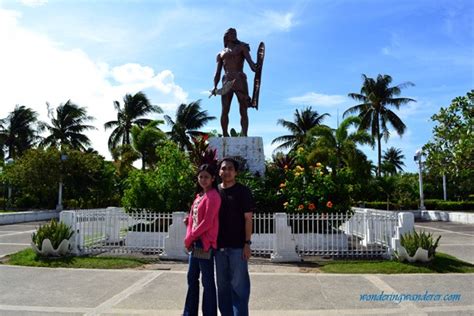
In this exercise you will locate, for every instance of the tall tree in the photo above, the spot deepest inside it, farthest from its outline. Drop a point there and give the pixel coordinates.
(19, 131)
(302, 123)
(145, 140)
(68, 126)
(188, 120)
(337, 147)
(134, 108)
(376, 97)
(451, 149)
(393, 160)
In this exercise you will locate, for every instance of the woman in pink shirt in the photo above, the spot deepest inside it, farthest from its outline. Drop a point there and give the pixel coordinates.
(201, 241)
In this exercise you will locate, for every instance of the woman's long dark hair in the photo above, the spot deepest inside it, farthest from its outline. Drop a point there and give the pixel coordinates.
(212, 170)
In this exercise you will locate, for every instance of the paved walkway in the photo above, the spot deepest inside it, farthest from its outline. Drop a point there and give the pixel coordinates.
(276, 289)
(456, 239)
(16, 237)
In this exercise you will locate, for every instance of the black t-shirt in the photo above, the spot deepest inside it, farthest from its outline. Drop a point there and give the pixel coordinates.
(236, 201)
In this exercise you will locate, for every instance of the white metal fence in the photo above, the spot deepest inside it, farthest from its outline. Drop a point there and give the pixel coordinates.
(114, 230)
(362, 233)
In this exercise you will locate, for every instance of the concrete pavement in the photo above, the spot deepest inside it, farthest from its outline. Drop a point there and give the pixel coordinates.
(277, 289)
(456, 239)
(16, 237)
(44, 291)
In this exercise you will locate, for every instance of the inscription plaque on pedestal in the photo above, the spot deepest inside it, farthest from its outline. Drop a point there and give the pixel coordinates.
(244, 149)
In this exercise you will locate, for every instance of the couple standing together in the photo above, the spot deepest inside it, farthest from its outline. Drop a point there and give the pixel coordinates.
(219, 227)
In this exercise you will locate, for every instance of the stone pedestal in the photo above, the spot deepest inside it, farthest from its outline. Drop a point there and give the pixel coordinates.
(248, 150)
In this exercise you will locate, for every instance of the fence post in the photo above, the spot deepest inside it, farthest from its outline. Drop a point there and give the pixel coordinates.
(406, 225)
(369, 228)
(284, 245)
(112, 224)
(174, 242)
(69, 218)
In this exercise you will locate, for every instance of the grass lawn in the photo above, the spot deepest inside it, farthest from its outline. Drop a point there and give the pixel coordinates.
(28, 257)
(6, 211)
(442, 263)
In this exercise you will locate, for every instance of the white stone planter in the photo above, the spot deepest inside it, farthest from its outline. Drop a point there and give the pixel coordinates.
(47, 249)
(421, 255)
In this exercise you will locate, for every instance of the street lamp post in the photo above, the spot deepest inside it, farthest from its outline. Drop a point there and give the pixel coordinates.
(59, 207)
(418, 156)
(9, 162)
(445, 194)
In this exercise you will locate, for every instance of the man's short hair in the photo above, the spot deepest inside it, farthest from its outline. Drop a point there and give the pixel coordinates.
(230, 159)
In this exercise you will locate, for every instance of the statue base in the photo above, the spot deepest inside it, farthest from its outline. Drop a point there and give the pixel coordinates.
(248, 151)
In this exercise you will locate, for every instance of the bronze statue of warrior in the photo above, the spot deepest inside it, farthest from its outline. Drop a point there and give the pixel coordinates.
(234, 81)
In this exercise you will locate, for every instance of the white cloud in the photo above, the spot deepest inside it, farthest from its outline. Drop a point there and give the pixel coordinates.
(393, 48)
(34, 3)
(36, 70)
(129, 73)
(317, 99)
(268, 22)
(279, 21)
(414, 110)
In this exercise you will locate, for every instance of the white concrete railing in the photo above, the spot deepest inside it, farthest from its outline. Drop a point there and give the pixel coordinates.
(451, 216)
(29, 216)
(285, 237)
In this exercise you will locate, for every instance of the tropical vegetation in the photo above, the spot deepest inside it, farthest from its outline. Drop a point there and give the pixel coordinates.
(19, 131)
(187, 123)
(302, 123)
(377, 96)
(315, 168)
(67, 127)
(131, 113)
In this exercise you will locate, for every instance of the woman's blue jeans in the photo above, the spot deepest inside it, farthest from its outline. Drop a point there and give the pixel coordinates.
(205, 268)
(233, 282)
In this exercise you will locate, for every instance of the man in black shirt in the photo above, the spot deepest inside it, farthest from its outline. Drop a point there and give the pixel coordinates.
(233, 242)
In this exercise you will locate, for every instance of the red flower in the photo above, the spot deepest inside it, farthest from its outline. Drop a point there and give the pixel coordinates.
(329, 204)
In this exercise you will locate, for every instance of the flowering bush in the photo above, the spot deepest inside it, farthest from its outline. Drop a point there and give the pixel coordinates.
(311, 188)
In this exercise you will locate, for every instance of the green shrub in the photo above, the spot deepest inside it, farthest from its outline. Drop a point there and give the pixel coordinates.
(411, 242)
(26, 201)
(54, 231)
(449, 205)
(168, 188)
(36, 174)
(378, 205)
(431, 204)
(71, 204)
(264, 191)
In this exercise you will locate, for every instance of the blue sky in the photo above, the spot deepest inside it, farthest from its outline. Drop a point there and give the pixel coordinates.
(96, 52)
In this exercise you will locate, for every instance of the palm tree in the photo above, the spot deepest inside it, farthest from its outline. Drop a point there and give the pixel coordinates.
(67, 127)
(145, 140)
(376, 97)
(19, 131)
(284, 161)
(189, 119)
(134, 108)
(393, 160)
(337, 147)
(303, 122)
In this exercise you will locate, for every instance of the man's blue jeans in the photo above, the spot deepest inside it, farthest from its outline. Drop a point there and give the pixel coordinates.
(205, 267)
(233, 282)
